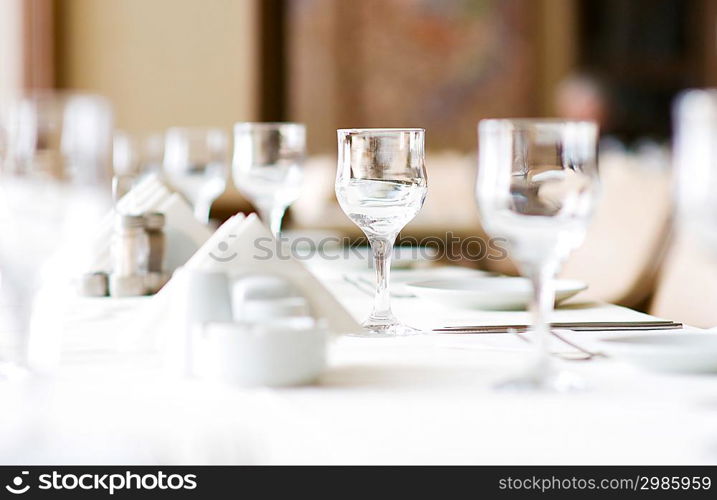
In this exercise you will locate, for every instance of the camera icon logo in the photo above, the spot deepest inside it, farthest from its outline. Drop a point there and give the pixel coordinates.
(17, 488)
(222, 247)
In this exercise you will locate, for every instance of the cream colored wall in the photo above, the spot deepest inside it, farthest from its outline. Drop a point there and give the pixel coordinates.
(163, 62)
(11, 53)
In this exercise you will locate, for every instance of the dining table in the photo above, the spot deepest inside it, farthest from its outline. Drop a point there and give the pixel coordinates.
(428, 398)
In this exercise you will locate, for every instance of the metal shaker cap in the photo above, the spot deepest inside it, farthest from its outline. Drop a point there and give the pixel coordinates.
(125, 221)
(127, 286)
(154, 220)
(154, 281)
(94, 284)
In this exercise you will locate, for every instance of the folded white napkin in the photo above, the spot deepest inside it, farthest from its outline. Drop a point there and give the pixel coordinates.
(185, 234)
(242, 246)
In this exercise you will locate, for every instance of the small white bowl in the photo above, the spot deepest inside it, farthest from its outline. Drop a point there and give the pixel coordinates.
(263, 286)
(685, 351)
(284, 352)
(259, 311)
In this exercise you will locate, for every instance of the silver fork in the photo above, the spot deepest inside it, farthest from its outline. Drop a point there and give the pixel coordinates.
(592, 354)
(582, 355)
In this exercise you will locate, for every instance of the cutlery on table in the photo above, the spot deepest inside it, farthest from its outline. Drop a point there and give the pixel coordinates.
(573, 326)
(587, 352)
(582, 354)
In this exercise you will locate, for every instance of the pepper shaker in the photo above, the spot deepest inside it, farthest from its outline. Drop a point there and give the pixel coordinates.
(130, 255)
(156, 276)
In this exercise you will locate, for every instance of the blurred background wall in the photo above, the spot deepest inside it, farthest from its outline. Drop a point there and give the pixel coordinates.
(438, 65)
(10, 42)
(446, 64)
(442, 64)
(162, 62)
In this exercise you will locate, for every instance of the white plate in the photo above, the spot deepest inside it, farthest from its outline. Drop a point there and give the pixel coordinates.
(680, 352)
(494, 293)
(360, 258)
(406, 276)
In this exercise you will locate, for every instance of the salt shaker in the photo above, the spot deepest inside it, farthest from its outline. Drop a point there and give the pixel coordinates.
(156, 277)
(130, 255)
(208, 300)
(94, 284)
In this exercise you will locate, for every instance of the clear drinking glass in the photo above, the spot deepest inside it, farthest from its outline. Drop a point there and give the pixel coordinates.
(126, 164)
(54, 189)
(381, 185)
(267, 167)
(196, 164)
(695, 160)
(134, 156)
(536, 187)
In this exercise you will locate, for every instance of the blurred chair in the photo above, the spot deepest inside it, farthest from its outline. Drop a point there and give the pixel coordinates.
(629, 235)
(687, 288)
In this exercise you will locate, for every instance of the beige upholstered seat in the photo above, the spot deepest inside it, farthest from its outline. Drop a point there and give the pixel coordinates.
(629, 233)
(687, 288)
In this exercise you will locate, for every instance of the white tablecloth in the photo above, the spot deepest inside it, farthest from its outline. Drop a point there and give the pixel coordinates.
(420, 399)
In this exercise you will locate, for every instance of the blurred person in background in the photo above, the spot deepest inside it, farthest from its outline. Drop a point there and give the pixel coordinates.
(583, 97)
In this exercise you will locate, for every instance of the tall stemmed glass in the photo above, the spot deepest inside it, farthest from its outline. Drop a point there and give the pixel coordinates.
(267, 167)
(381, 185)
(695, 160)
(133, 157)
(536, 187)
(196, 164)
(54, 188)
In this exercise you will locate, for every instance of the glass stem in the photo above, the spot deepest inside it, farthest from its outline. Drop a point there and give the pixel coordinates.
(272, 217)
(541, 309)
(382, 252)
(201, 210)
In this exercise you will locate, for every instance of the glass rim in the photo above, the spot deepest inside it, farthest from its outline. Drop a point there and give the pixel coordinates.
(361, 131)
(267, 125)
(195, 131)
(710, 92)
(50, 99)
(526, 123)
(53, 94)
(704, 98)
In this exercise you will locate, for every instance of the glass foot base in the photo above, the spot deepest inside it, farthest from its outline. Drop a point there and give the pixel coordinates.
(543, 379)
(10, 372)
(385, 329)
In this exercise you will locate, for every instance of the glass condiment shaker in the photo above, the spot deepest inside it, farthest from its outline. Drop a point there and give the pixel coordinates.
(130, 256)
(156, 275)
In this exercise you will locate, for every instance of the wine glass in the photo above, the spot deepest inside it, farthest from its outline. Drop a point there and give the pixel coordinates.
(54, 188)
(536, 187)
(695, 159)
(267, 167)
(195, 163)
(133, 157)
(381, 185)
(125, 164)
